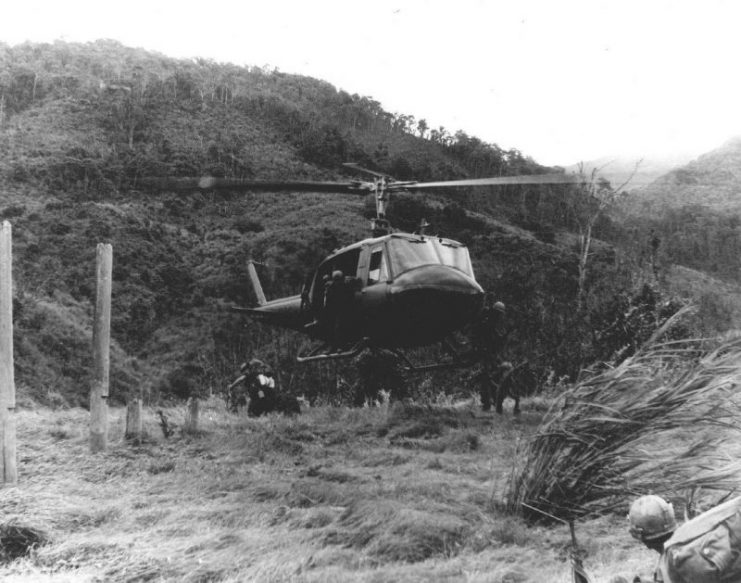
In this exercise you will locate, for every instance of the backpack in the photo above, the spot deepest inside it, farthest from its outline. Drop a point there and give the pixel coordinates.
(706, 548)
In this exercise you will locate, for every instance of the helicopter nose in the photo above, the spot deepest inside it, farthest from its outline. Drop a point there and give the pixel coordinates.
(435, 300)
(437, 277)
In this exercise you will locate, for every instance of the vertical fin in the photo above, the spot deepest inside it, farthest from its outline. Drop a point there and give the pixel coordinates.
(256, 285)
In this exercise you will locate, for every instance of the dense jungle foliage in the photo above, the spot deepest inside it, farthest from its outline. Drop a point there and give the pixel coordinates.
(82, 126)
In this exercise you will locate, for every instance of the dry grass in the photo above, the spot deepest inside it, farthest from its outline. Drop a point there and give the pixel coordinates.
(664, 421)
(333, 495)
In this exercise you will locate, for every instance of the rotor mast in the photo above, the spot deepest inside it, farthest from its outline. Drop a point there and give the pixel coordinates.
(379, 187)
(380, 225)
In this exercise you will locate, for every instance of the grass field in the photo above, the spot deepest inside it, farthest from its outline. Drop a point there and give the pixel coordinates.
(380, 494)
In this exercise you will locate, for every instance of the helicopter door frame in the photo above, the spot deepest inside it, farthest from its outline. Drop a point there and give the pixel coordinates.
(367, 267)
(340, 261)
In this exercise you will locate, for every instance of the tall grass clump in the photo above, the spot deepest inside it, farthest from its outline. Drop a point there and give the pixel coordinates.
(659, 422)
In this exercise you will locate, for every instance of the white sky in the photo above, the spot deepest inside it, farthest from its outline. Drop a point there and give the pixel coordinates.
(561, 80)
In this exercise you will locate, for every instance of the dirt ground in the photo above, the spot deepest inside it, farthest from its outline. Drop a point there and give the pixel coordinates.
(402, 494)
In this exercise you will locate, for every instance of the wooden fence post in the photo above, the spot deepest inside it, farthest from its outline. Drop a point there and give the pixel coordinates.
(8, 466)
(191, 416)
(101, 350)
(134, 419)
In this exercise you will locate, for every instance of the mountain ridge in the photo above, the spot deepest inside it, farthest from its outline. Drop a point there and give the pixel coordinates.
(631, 172)
(713, 179)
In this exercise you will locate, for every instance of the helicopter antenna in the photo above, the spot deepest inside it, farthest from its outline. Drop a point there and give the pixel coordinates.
(423, 224)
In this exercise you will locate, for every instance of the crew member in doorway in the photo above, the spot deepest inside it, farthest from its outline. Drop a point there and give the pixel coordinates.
(339, 296)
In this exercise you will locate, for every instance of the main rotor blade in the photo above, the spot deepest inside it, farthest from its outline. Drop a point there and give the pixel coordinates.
(496, 181)
(359, 168)
(207, 183)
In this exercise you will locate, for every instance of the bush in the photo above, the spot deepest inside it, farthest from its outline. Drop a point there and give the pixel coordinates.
(245, 225)
(12, 212)
(618, 433)
(183, 382)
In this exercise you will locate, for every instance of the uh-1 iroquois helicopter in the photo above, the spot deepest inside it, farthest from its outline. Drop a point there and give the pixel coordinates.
(392, 291)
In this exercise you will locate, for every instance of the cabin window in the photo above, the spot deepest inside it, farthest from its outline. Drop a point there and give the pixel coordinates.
(377, 270)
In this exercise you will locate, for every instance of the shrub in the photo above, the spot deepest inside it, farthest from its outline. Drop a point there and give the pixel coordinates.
(12, 212)
(616, 434)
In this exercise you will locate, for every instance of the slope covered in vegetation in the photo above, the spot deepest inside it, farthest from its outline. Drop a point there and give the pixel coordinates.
(693, 213)
(84, 126)
(712, 180)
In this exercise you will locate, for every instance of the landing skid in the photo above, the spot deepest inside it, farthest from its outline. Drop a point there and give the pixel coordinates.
(457, 358)
(326, 352)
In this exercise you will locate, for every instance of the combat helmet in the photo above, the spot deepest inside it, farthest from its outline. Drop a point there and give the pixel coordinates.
(651, 517)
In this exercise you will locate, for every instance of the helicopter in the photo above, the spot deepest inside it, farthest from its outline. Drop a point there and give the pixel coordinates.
(394, 290)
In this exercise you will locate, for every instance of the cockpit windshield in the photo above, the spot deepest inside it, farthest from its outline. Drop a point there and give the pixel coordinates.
(454, 255)
(409, 253)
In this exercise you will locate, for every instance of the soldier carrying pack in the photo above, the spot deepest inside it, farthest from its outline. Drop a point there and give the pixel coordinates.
(706, 549)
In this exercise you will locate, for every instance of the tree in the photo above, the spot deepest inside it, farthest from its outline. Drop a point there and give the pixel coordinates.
(593, 197)
(422, 127)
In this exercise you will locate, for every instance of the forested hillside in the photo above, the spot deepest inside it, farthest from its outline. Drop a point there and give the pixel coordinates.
(712, 180)
(694, 212)
(83, 127)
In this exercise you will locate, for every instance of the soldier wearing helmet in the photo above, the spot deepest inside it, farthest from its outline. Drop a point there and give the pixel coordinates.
(488, 340)
(261, 389)
(652, 521)
(702, 550)
(255, 385)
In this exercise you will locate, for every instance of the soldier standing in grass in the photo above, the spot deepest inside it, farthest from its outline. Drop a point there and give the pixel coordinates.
(706, 549)
(488, 337)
